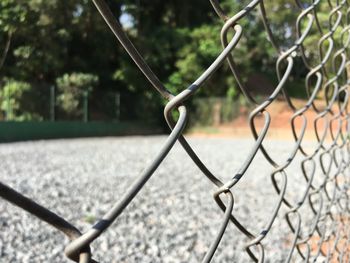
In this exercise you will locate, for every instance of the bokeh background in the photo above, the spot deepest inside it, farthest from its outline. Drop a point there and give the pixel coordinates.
(60, 62)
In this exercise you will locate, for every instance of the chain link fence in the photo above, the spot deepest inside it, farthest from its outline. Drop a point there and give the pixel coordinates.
(48, 106)
(327, 238)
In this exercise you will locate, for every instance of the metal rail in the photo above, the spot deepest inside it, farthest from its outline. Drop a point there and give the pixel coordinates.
(328, 201)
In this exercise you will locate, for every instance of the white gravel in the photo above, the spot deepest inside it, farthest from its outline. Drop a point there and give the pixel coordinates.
(173, 218)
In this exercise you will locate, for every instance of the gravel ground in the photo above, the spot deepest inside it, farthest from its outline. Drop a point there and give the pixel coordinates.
(174, 217)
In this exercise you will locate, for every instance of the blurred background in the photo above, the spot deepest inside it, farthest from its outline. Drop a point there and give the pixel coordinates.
(62, 67)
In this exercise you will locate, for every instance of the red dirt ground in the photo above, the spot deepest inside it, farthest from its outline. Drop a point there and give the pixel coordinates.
(280, 126)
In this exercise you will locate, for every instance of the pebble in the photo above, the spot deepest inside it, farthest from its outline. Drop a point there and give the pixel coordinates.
(174, 217)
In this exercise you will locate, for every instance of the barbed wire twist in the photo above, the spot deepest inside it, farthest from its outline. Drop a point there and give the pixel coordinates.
(328, 201)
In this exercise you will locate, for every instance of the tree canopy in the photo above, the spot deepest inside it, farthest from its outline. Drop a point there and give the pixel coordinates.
(45, 42)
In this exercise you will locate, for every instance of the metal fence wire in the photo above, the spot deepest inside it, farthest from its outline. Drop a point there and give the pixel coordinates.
(328, 201)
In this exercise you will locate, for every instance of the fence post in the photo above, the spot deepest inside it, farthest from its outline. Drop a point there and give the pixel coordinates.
(85, 106)
(117, 106)
(8, 107)
(52, 103)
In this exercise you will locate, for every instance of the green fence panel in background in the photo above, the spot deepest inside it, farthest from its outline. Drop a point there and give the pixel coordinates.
(21, 131)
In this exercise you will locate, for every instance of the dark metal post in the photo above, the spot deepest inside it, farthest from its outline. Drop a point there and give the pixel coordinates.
(86, 106)
(52, 103)
(117, 106)
(8, 106)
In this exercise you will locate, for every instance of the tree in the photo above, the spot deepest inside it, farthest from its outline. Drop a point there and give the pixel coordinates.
(12, 15)
(179, 39)
(13, 101)
(73, 87)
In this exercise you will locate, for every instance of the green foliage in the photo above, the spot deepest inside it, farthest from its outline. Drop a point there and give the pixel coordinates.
(12, 96)
(12, 15)
(179, 39)
(72, 88)
(201, 49)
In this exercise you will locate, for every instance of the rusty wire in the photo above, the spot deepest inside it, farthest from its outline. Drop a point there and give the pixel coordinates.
(328, 238)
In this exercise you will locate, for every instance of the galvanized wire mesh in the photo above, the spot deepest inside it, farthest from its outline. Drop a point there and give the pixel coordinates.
(327, 238)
